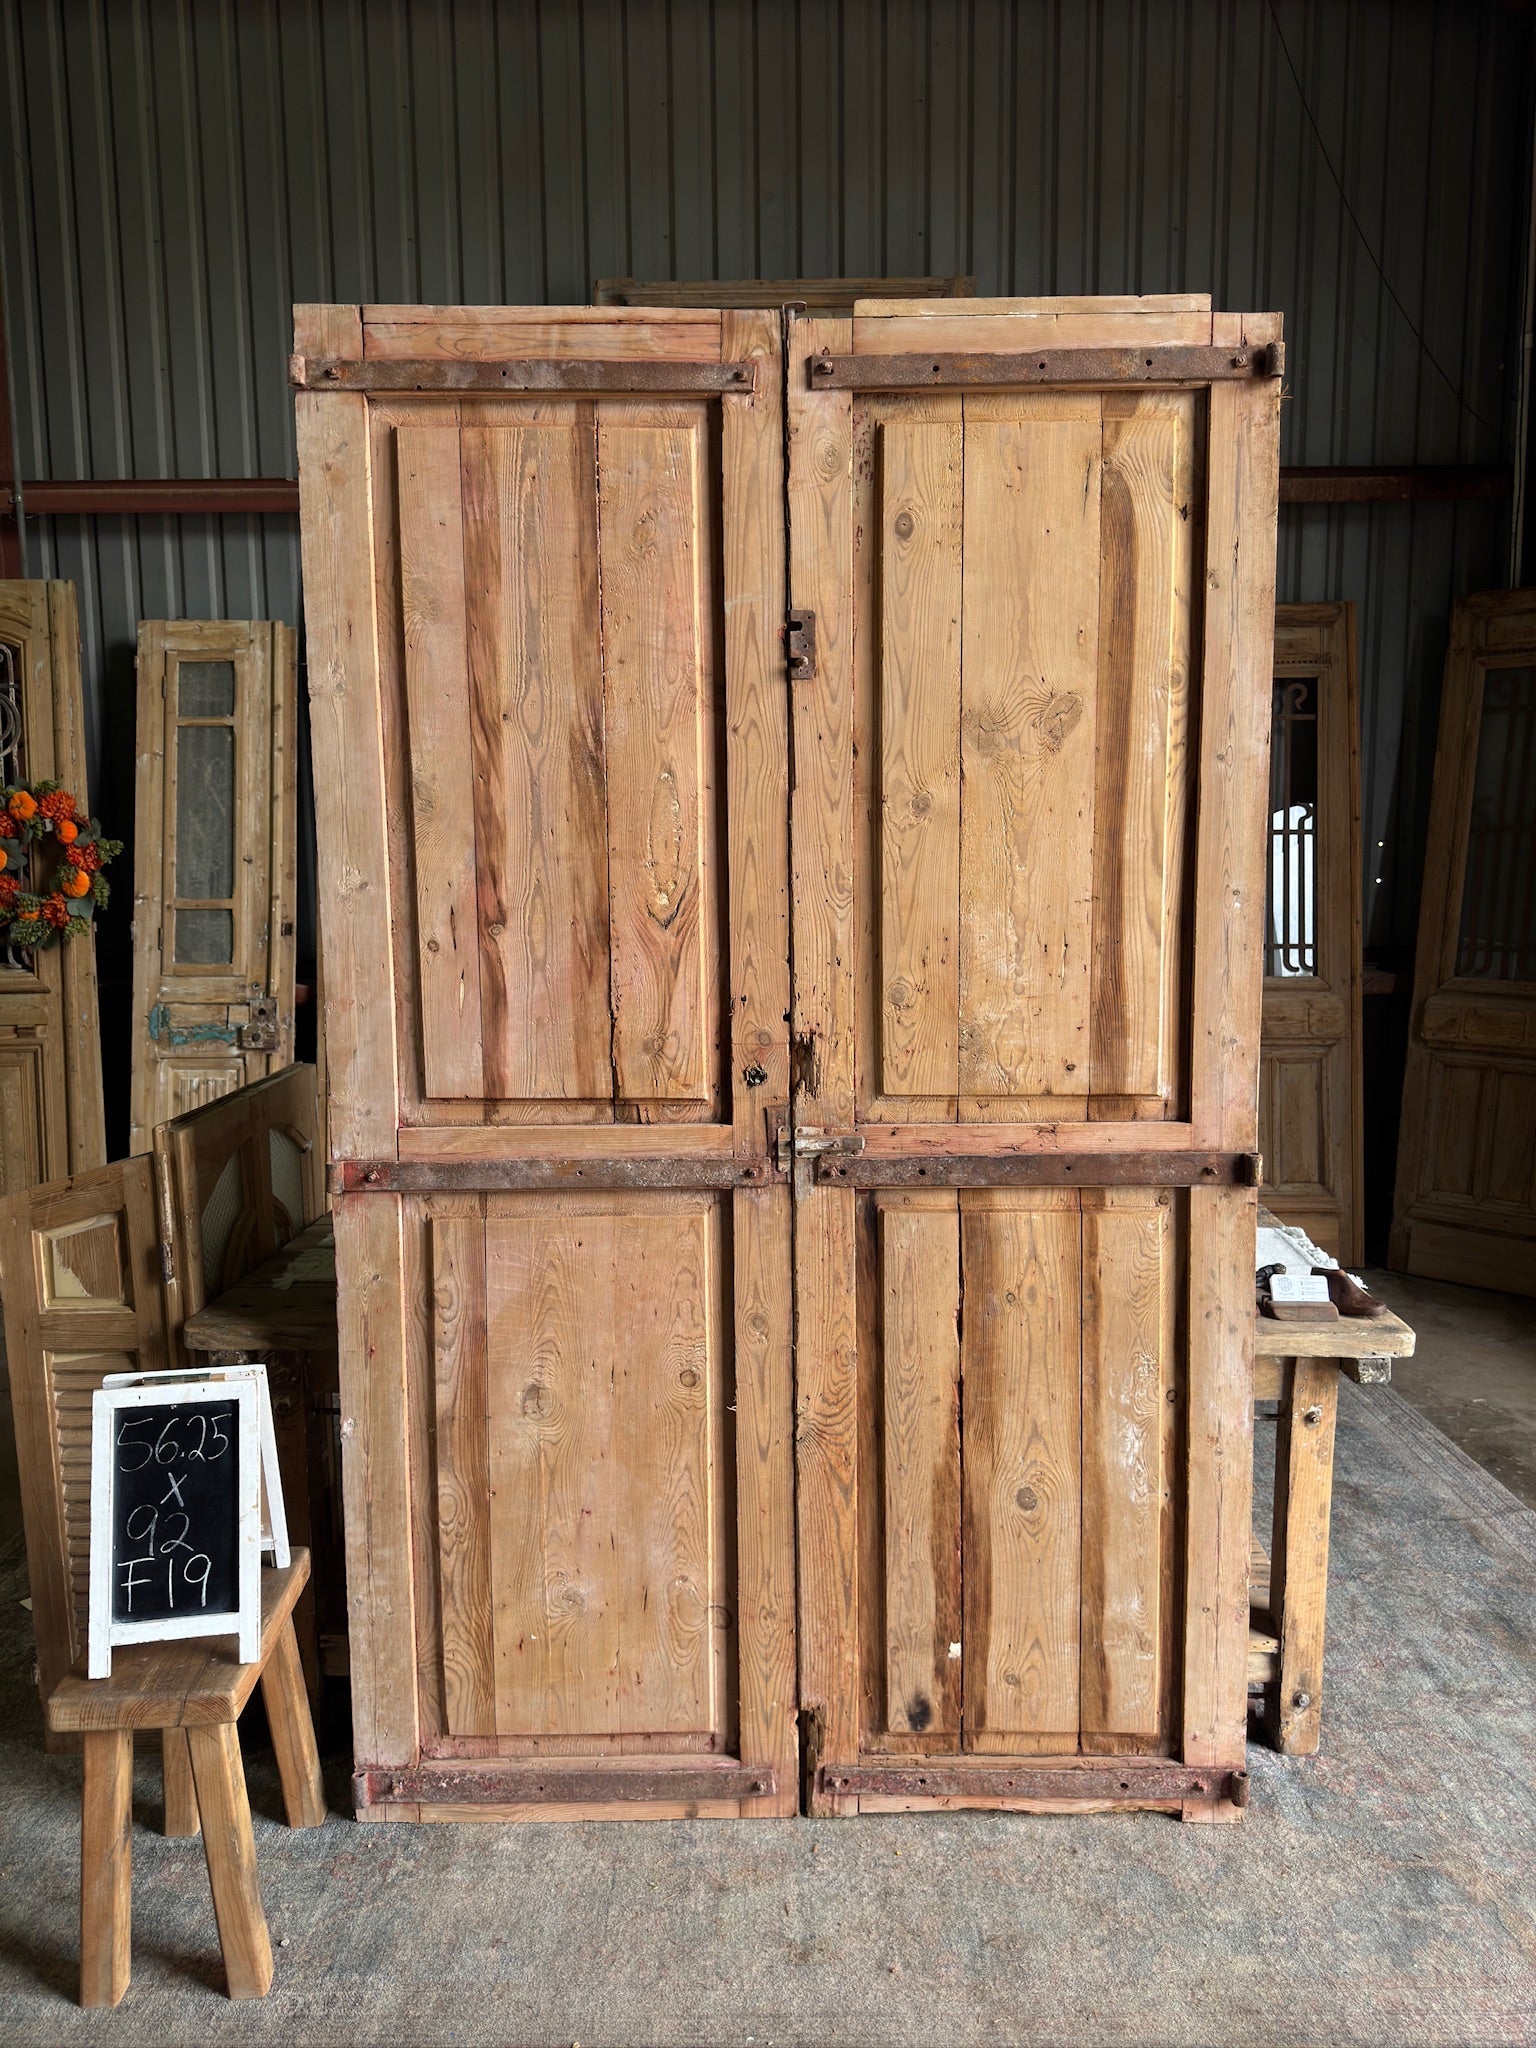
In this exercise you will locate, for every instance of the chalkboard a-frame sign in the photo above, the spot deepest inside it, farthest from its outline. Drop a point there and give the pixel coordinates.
(176, 1475)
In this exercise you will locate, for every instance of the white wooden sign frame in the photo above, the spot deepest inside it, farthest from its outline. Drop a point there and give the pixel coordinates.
(107, 1403)
(274, 1515)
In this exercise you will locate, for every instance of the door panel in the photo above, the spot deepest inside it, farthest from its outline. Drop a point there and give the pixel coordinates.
(51, 1120)
(560, 1225)
(1466, 1189)
(214, 863)
(1036, 667)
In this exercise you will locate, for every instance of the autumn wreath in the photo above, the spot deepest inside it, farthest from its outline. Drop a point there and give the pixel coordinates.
(31, 812)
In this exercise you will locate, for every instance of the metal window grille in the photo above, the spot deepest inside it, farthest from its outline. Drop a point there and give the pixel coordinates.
(1290, 948)
(1497, 935)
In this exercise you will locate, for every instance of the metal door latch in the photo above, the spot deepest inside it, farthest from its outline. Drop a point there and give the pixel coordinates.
(813, 1144)
(800, 646)
(260, 1034)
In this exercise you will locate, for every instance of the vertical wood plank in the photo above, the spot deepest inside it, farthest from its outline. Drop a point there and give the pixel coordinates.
(346, 731)
(757, 737)
(920, 1285)
(1125, 1275)
(531, 571)
(1021, 1349)
(1141, 626)
(1028, 722)
(459, 1341)
(821, 579)
(433, 601)
(106, 1867)
(376, 1477)
(1220, 1474)
(1231, 832)
(293, 1731)
(176, 1777)
(87, 1142)
(920, 571)
(649, 515)
(1298, 1559)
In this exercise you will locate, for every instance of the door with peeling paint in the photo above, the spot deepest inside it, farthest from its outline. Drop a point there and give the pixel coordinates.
(1035, 543)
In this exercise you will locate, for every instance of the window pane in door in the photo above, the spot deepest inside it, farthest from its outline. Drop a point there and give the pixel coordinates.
(205, 813)
(1497, 936)
(205, 689)
(1290, 941)
(205, 938)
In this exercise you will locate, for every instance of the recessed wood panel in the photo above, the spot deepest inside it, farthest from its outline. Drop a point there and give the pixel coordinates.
(1029, 693)
(603, 1382)
(1294, 1107)
(1022, 1406)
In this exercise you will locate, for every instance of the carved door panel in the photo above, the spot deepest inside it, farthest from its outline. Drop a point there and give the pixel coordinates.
(50, 1046)
(1037, 540)
(1310, 1129)
(543, 559)
(213, 959)
(1465, 1207)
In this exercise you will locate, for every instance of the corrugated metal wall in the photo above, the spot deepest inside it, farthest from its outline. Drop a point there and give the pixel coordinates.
(180, 171)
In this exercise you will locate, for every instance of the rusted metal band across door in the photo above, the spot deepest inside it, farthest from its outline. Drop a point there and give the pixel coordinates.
(1159, 1781)
(535, 373)
(519, 1176)
(477, 1785)
(1043, 1170)
(914, 371)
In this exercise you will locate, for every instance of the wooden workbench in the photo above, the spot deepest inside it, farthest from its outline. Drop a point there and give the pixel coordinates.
(1299, 1365)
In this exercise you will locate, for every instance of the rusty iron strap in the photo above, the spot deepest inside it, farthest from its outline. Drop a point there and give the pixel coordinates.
(1159, 1781)
(496, 1784)
(1153, 365)
(518, 1176)
(431, 373)
(1043, 1170)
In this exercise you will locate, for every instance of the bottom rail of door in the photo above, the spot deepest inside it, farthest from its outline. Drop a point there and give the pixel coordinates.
(1159, 1783)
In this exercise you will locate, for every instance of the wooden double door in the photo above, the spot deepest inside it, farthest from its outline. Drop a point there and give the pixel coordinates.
(795, 798)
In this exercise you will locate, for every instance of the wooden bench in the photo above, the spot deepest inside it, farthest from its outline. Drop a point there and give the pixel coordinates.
(192, 1693)
(1298, 1365)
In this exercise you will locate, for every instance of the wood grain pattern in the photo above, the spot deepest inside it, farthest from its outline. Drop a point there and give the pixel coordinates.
(603, 332)
(531, 568)
(1027, 746)
(1143, 657)
(945, 326)
(181, 1818)
(1298, 1568)
(920, 582)
(293, 1732)
(434, 602)
(231, 1854)
(463, 1472)
(601, 1538)
(649, 523)
(1125, 1278)
(106, 1867)
(920, 1285)
(1022, 1282)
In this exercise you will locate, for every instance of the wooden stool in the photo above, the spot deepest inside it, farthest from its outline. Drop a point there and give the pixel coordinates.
(193, 1693)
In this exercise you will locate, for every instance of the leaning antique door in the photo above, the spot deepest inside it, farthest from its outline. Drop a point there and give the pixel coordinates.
(1465, 1207)
(1032, 572)
(214, 863)
(51, 1121)
(543, 567)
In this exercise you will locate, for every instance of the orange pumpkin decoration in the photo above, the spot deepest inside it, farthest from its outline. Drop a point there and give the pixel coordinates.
(76, 882)
(23, 805)
(67, 830)
(4, 857)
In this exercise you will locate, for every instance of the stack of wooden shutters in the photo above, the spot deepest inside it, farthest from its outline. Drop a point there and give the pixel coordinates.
(601, 1161)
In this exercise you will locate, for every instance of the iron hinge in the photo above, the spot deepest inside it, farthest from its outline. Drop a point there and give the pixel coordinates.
(800, 646)
(812, 1144)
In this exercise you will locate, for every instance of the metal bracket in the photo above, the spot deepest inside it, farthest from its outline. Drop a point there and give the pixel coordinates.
(1161, 1783)
(381, 374)
(813, 1144)
(978, 369)
(1040, 1169)
(260, 1034)
(558, 1784)
(800, 646)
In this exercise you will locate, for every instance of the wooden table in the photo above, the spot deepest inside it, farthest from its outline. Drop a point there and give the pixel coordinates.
(1298, 1365)
(284, 1315)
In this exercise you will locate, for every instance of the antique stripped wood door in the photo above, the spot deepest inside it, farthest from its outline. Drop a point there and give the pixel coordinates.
(1035, 544)
(50, 1035)
(1465, 1207)
(544, 586)
(1310, 1122)
(214, 861)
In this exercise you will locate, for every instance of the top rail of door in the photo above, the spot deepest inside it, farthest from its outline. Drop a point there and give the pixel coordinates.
(917, 370)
